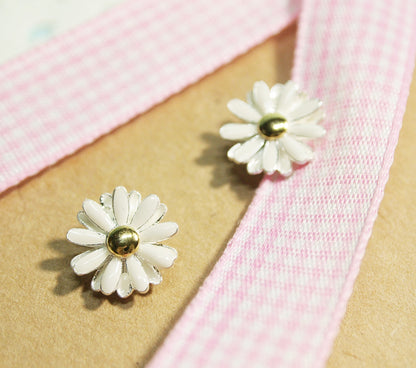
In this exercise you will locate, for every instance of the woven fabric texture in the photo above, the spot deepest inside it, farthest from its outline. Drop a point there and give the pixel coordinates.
(278, 293)
(65, 94)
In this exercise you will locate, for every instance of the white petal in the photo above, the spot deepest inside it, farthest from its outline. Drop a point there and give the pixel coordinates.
(85, 220)
(134, 201)
(313, 118)
(270, 156)
(232, 150)
(156, 217)
(299, 151)
(158, 232)
(152, 273)
(85, 237)
(97, 215)
(306, 130)
(121, 205)
(111, 276)
(275, 91)
(286, 98)
(124, 287)
(248, 149)
(261, 96)
(250, 98)
(89, 261)
(145, 211)
(137, 275)
(284, 164)
(236, 131)
(254, 166)
(299, 99)
(159, 255)
(304, 109)
(96, 280)
(243, 110)
(106, 200)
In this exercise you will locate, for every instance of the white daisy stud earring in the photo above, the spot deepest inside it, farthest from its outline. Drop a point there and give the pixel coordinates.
(124, 235)
(277, 122)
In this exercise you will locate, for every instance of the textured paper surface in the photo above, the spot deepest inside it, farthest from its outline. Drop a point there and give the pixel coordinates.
(50, 317)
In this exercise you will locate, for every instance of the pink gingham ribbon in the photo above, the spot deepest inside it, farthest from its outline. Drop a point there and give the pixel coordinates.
(63, 95)
(276, 296)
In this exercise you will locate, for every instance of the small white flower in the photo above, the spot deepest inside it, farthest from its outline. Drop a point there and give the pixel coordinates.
(278, 121)
(124, 234)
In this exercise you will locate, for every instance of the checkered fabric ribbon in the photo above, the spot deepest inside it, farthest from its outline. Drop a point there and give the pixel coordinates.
(63, 95)
(277, 295)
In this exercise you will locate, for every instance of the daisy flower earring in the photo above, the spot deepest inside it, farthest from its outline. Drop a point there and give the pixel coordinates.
(124, 235)
(277, 122)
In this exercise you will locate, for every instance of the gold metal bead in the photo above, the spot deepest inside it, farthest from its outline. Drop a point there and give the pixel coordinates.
(122, 241)
(272, 126)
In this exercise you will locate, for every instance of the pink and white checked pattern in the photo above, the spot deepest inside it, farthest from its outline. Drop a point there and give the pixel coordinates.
(276, 296)
(278, 293)
(65, 94)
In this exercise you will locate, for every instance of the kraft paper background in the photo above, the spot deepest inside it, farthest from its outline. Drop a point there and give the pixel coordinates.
(51, 318)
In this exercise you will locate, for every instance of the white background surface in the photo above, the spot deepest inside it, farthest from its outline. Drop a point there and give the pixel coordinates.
(26, 23)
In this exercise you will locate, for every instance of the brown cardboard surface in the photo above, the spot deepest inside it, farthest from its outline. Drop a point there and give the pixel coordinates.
(51, 318)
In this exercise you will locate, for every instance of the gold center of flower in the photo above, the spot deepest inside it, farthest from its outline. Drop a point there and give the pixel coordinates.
(272, 126)
(122, 241)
